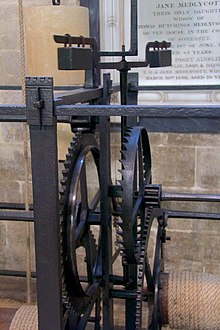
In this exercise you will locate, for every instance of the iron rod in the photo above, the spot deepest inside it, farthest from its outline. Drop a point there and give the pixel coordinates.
(167, 196)
(162, 111)
(14, 206)
(16, 216)
(192, 215)
(119, 294)
(132, 88)
(15, 273)
(12, 113)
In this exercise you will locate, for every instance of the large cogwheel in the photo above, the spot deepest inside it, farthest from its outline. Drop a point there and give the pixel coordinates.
(79, 252)
(136, 173)
(145, 274)
(142, 268)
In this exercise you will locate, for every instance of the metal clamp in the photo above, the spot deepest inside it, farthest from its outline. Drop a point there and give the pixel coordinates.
(39, 99)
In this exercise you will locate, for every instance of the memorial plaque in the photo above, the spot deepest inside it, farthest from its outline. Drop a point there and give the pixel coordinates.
(193, 28)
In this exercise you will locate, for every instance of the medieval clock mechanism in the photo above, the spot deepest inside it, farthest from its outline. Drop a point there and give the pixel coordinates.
(80, 293)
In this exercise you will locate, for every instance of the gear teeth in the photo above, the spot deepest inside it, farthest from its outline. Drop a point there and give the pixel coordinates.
(125, 146)
(63, 181)
(141, 269)
(137, 249)
(119, 231)
(121, 183)
(70, 151)
(119, 222)
(68, 157)
(124, 149)
(123, 162)
(120, 241)
(122, 165)
(71, 304)
(127, 133)
(62, 198)
(67, 164)
(125, 140)
(65, 172)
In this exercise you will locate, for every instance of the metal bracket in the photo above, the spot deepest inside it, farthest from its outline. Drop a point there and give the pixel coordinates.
(39, 100)
(107, 88)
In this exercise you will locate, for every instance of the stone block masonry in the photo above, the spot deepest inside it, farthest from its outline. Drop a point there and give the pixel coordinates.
(12, 235)
(189, 163)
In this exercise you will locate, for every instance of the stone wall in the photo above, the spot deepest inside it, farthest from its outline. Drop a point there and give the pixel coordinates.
(189, 163)
(12, 234)
(182, 163)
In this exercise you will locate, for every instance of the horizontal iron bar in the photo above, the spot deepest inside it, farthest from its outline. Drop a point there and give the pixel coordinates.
(92, 319)
(167, 196)
(12, 113)
(192, 215)
(116, 280)
(19, 88)
(10, 88)
(117, 53)
(14, 206)
(120, 294)
(94, 219)
(162, 111)
(15, 273)
(131, 88)
(17, 216)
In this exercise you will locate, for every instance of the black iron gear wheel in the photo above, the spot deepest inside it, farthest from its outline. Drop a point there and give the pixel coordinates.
(142, 268)
(78, 293)
(136, 173)
(145, 275)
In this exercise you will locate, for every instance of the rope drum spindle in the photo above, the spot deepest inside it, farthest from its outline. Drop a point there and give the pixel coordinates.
(26, 158)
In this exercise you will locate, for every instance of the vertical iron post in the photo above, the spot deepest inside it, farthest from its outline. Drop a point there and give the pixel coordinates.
(132, 95)
(134, 27)
(94, 26)
(131, 270)
(105, 205)
(124, 90)
(93, 6)
(43, 138)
